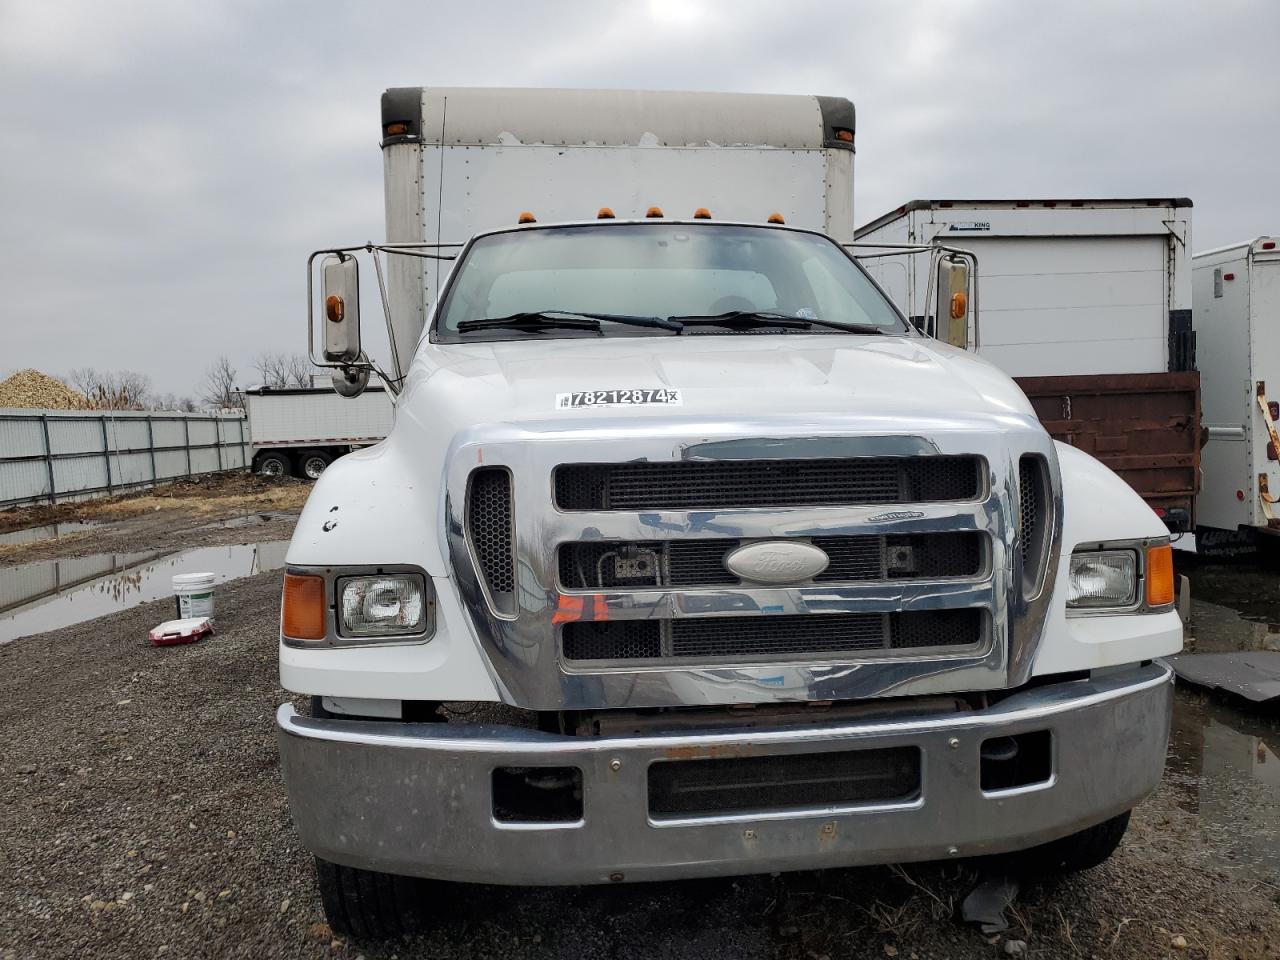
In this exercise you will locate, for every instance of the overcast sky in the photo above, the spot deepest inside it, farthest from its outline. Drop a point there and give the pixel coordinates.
(166, 167)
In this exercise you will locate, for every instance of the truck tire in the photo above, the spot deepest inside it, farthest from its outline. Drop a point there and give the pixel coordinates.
(312, 463)
(273, 466)
(369, 905)
(1079, 851)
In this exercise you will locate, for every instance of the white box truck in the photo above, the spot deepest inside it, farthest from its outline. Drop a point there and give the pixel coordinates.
(1087, 305)
(687, 554)
(1237, 304)
(300, 431)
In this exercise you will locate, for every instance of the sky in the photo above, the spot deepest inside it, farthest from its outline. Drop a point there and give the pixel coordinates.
(166, 167)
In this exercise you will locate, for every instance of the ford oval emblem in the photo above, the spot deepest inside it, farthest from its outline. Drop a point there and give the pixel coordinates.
(777, 561)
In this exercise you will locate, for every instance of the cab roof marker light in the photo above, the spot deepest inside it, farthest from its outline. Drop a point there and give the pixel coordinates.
(604, 213)
(702, 213)
(653, 213)
(776, 218)
(526, 217)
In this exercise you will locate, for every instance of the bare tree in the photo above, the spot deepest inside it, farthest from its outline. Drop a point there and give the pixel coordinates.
(218, 389)
(298, 370)
(280, 371)
(112, 389)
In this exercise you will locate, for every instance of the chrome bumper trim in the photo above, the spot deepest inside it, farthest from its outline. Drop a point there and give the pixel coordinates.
(416, 798)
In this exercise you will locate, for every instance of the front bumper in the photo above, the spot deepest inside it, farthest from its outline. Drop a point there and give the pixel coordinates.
(416, 799)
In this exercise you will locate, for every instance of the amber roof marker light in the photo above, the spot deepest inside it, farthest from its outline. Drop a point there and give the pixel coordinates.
(653, 213)
(604, 213)
(775, 218)
(702, 213)
(526, 217)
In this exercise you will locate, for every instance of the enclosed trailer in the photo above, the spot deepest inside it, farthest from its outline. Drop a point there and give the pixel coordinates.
(1087, 304)
(1237, 304)
(301, 431)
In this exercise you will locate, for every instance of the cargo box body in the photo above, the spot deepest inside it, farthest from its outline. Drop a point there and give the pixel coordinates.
(1087, 304)
(1237, 306)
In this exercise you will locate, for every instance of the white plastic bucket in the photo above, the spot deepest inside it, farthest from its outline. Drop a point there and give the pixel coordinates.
(194, 594)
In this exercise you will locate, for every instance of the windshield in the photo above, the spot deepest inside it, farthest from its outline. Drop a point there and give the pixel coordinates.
(629, 280)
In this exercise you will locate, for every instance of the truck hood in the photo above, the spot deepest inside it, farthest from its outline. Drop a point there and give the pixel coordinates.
(733, 376)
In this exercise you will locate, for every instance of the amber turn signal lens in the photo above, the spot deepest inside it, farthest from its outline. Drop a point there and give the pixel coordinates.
(1159, 576)
(959, 305)
(334, 308)
(302, 607)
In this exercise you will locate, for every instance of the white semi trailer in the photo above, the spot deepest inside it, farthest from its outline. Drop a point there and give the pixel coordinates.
(300, 431)
(1087, 305)
(1237, 306)
(733, 569)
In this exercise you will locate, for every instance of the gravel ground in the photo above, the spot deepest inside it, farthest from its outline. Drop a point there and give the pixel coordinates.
(142, 814)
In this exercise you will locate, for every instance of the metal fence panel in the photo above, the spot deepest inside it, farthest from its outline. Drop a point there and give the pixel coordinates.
(21, 437)
(48, 455)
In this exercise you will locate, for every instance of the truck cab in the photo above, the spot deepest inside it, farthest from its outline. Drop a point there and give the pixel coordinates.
(688, 555)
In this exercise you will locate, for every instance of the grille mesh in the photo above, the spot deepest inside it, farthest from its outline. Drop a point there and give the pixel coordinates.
(700, 563)
(1029, 502)
(489, 529)
(786, 782)
(718, 638)
(765, 483)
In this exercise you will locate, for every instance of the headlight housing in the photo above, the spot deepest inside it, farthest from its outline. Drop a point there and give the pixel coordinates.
(1121, 577)
(383, 605)
(1103, 578)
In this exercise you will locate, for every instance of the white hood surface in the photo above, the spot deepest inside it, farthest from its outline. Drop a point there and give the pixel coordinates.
(735, 376)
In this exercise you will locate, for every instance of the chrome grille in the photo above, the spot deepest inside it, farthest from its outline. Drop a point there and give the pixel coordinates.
(766, 483)
(489, 531)
(597, 565)
(727, 638)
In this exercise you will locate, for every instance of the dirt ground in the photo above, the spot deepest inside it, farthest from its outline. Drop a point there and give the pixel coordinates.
(142, 814)
(178, 513)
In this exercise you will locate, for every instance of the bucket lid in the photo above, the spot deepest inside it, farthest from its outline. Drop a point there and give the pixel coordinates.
(194, 580)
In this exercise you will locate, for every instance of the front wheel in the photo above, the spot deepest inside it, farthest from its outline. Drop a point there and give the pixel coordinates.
(369, 905)
(1080, 851)
(313, 463)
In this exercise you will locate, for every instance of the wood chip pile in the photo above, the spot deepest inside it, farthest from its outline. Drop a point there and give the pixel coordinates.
(31, 388)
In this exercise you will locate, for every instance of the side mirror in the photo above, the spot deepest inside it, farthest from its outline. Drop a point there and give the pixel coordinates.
(953, 302)
(341, 294)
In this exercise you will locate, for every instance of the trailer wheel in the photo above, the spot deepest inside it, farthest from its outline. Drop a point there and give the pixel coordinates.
(273, 466)
(371, 906)
(312, 463)
(1079, 851)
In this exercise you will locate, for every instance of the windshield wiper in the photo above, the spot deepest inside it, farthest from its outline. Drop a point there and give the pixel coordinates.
(750, 319)
(565, 320)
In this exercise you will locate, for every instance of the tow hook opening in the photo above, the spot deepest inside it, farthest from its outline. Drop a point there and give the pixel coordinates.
(1021, 760)
(537, 794)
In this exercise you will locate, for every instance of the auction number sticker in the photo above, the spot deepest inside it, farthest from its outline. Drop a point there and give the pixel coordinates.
(618, 398)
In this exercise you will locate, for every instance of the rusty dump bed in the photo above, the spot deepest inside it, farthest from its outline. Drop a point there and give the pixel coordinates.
(1144, 426)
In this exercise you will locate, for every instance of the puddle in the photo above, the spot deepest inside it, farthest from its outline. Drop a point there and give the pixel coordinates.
(52, 531)
(1225, 765)
(51, 594)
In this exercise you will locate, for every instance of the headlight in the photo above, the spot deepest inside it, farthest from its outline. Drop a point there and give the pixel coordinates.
(1106, 578)
(383, 606)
